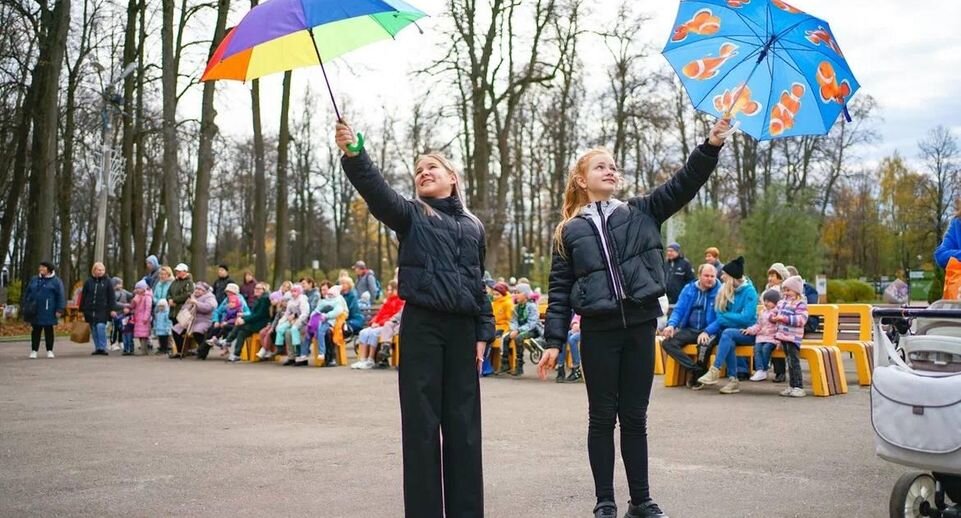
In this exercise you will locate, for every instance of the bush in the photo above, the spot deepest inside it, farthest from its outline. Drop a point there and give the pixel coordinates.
(850, 291)
(838, 291)
(937, 286)
(776, 232)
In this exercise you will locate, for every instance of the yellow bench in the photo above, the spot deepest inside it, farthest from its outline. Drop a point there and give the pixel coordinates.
(250, 349)
(819, 350)
(855, 336)
(340, 343)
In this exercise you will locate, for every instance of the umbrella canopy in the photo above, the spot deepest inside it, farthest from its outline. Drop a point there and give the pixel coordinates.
(281, 35)
(775, 69)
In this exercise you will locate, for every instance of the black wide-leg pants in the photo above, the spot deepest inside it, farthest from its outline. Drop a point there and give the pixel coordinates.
(440, 415)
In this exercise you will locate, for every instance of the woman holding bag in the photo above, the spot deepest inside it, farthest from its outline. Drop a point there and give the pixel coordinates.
(43, 305)
(447, 323)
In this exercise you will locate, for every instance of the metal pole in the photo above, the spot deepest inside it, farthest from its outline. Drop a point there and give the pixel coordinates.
(98, 252)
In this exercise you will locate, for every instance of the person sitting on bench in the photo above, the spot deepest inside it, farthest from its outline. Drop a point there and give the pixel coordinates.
(691, 316)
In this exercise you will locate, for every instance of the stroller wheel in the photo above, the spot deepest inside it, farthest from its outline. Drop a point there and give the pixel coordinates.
(536, 355)
(913, 496)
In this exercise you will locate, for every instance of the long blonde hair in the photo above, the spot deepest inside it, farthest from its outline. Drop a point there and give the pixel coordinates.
(725, 296)
(575, 196)
(455, 189)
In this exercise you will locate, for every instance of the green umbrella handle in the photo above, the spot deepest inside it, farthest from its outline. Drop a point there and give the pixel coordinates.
(357, 147)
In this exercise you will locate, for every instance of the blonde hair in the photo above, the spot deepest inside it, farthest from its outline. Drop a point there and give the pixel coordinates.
(575, 196)
(725, 296)
(168, 271)
(348, 281)
(455, 189)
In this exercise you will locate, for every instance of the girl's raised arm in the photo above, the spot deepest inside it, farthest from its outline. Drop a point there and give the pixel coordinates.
(384, 202)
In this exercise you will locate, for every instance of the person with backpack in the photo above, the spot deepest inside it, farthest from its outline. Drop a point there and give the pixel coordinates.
(447, 323)
(607, 266)
(42, 306)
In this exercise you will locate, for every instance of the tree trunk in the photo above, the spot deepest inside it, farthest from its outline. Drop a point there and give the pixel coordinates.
(260, 182)
(11, 205)
(129, 217)
(280, 254)
(140, 222)
(205, 155)
(170, 165)
(43, 155)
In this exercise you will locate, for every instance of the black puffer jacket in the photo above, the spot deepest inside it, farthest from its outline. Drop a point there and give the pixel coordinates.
(581, 280)
(441, 258)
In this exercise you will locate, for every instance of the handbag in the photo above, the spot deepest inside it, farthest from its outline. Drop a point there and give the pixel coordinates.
(185, 317)
(80, 333)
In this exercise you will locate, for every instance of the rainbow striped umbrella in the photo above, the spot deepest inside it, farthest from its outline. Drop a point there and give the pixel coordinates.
(281, 35)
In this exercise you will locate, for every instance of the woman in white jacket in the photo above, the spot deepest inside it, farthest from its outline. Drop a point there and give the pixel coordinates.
(294, 320)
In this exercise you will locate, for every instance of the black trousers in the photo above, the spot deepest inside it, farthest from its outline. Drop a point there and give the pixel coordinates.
(440, 415)
(618, 371)
(47, 336)
(673, 346)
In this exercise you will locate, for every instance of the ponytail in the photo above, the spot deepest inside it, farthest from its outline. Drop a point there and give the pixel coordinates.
(575, 197)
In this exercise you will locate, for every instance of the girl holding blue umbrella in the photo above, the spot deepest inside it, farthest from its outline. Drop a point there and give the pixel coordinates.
(607, 268)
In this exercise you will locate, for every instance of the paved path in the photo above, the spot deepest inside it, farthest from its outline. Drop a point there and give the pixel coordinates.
(134, 436)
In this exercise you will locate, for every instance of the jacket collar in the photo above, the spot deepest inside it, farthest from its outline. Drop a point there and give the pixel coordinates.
(450, 205)
(608, 207)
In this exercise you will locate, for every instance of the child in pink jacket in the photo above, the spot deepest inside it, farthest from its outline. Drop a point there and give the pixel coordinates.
(141, 312)
(764, 331)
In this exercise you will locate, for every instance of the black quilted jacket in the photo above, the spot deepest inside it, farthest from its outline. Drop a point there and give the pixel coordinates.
(583, 281)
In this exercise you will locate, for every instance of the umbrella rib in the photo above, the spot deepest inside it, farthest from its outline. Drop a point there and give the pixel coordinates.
(837, 59)
(732, 38)
(770, 98)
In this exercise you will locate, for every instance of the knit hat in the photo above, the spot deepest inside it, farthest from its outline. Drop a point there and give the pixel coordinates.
(232, 288)
(116, 281)
(523, 289)
(795, 284)
(202, 286)
(181, 268)
(501, 288)
(162, 305)
(296, 290)
(153, 261)
(772, 296)
(780, 270)
(735, 268)
(276, 297)
(333, 291)
(141, 285)
(675, 246)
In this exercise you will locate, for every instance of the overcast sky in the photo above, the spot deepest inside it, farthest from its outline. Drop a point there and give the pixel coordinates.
(905, 54)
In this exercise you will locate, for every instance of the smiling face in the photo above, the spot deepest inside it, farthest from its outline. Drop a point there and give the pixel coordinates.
(432, 179)
(601, 178)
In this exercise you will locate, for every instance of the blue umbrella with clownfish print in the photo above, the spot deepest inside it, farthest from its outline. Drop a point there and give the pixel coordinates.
(774, 69)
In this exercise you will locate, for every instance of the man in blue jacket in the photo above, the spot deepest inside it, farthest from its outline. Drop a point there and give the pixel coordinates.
(951, 244)
(691, 316)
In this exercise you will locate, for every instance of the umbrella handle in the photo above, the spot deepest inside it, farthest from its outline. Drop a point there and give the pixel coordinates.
(357, 147)
(733, 130)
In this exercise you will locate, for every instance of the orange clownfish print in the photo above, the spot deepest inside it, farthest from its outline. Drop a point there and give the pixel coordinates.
(830, 89)
(708, 67)
(704, 23)
(784, 6)
(737, 4)
(788, 106)
(822, 36)
(737, 100)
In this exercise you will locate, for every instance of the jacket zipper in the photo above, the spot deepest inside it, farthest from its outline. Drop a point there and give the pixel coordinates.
(611, 257)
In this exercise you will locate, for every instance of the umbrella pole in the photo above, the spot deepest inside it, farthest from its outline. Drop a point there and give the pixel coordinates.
(324, 70)
(354, 147)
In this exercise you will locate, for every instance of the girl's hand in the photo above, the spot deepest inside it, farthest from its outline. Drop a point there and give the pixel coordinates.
(719, 132)
(344, 135)
(481, 348)
(547, 363)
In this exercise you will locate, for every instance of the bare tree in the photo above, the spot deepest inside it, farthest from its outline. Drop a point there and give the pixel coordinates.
(281, 229)
(942, 157)
(170, 163)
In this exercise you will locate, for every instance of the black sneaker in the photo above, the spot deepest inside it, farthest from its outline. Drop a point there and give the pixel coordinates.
(779, 378)
(576, 375)
(126, 353)
(290, 361)
(301, 363)
(605, 510)
(646, 510)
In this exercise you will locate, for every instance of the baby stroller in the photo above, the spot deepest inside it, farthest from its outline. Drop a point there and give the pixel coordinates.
(916, 406)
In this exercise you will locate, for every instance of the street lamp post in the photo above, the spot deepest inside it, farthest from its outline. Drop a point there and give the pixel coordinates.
(109, 100)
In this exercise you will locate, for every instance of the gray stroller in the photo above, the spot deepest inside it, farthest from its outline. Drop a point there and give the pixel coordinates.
(916, 406)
